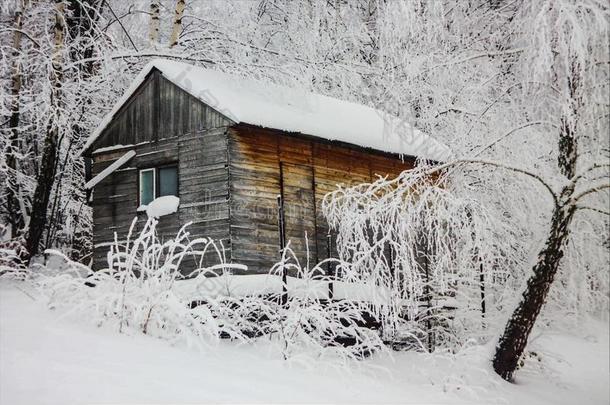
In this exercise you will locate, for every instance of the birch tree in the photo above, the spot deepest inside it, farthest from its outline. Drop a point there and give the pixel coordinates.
(153, 25)
(570, 56)
(177, 23)
(526, 113)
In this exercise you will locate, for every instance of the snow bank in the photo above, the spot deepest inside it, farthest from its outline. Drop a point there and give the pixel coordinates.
(162, 206)
(293, 110)
(45, 359)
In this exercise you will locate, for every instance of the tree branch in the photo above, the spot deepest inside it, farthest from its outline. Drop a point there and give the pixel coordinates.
(509, 133)
(585, 193)
(507, 91)
(477, 56)
(130, 11)
(534, 176)
(147, 54)
(121, 24)
(587, 170)
(584, 207)
(22, 32)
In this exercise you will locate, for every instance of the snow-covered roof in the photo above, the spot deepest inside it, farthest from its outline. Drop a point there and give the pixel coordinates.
(271, 106)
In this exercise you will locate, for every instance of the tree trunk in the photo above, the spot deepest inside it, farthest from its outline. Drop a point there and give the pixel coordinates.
(177, 24)
(513, 341)
(80, 24)
(153, 28)
(15, 216)
(46, 174)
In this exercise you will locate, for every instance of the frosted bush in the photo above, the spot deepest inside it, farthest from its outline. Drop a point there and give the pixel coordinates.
(139, 292)
(308, 324)
(136, 291)
(12, 259)
(435, 253)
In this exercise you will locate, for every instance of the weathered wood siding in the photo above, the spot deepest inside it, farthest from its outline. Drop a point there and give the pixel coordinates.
(163, 126)
(158, 109)
(266, 163)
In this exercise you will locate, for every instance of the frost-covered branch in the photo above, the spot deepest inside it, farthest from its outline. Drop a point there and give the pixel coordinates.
(500, 165)
(589, 191)
(598, 210)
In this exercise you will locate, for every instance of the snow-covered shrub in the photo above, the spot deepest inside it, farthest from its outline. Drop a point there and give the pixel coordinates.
(143, 290)
(309, 325)
(434, 252)
(136, 290)
(13, 259)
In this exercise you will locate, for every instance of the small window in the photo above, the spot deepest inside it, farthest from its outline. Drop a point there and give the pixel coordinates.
(147, 186)
(158, 182)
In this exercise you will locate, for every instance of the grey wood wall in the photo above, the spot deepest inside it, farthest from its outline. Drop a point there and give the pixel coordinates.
(164, 125)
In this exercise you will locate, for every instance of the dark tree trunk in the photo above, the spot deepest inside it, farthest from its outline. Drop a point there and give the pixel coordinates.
(80, 20)
(513, 341)
(42, 193)
(46, 174)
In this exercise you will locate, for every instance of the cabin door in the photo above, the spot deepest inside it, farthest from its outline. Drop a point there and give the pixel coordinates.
(297, 187)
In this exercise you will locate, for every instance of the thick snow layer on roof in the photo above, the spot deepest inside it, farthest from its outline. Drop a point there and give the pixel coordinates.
(271, 106)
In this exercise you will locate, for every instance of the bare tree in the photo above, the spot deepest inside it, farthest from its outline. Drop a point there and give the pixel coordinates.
(46, 173)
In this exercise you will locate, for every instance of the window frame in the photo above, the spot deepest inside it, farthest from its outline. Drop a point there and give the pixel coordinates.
(154, 184)
(156, 180)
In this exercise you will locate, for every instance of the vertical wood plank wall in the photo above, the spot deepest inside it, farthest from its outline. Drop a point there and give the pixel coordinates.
(310, 168)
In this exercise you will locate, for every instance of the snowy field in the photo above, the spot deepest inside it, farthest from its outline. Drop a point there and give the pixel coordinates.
(48, 360)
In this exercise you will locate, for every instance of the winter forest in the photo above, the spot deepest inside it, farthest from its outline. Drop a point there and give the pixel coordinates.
(482, 277)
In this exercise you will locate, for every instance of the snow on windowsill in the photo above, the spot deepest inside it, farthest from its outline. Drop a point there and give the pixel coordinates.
(161, 206)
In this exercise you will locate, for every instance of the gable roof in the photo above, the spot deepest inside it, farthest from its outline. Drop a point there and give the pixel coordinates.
(271, 106)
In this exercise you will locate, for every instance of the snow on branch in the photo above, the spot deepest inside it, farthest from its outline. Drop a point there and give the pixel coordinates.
(589, 191)
(598, 210)
(500, 165)
(433, 251)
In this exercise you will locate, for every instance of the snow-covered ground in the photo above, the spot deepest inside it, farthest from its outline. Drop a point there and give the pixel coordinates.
(46, 359)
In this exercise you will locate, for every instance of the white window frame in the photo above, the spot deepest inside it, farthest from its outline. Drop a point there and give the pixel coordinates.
(154, 172)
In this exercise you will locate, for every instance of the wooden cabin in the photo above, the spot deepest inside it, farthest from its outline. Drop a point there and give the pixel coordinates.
(227, 147)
